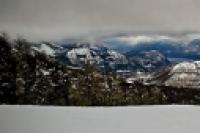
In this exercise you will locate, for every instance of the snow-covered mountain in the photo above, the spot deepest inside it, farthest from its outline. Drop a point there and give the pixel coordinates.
(148, 60)
(184, 74)
(100, 56)
(44, 48)
(173, 47)
(50, 49)
(131, 52)
(103, 57)
(79, 56)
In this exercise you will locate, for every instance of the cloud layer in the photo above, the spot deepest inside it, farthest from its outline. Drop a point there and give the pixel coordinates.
(58, 19)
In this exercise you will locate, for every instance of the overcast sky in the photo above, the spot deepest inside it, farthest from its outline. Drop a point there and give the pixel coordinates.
(57, 19)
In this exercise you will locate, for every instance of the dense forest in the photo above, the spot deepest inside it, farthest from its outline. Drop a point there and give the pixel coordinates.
(31, 77)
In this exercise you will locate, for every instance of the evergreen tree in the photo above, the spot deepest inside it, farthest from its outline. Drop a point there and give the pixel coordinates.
(7, 71)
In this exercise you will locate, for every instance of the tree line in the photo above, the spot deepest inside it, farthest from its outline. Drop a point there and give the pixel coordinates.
(31, 77)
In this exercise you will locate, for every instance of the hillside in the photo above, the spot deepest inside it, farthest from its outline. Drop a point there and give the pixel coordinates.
(31, 73)
(185, 74)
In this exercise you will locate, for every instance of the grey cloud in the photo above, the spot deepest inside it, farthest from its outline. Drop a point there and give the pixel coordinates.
(57, 19)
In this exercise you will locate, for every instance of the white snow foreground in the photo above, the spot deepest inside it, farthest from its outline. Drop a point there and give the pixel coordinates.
(144, 119)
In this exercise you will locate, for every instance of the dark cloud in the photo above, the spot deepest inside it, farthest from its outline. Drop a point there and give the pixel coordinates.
(57, 19)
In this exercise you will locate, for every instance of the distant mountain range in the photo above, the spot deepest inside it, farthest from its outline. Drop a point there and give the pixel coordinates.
(52, 73)
(137, 53)
(170, 47)
(105, 58)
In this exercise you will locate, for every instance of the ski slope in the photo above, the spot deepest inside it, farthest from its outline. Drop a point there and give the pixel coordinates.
(143, 119)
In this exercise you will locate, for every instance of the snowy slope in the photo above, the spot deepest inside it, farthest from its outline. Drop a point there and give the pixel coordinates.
(44, 48)
(81, 55)
(78, 55)
(187, 67)
(117, 57)
(185, 74)
(150, 61)
(146, 119)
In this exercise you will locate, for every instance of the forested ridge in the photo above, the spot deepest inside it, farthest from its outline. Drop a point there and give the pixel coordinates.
(31, 77)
